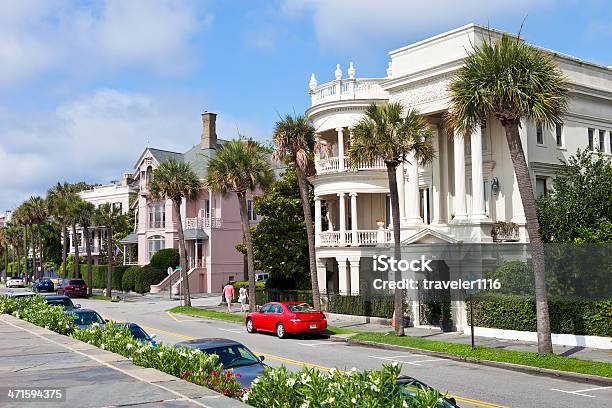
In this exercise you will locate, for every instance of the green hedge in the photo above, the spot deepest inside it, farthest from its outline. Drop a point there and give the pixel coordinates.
(274, 295)
(147, 276)
(128, 282)
(99, 276)
(165, 258)
(567, 315)
(360, 305)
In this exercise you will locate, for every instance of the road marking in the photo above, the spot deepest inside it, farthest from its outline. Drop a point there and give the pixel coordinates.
(322, 343)
(233, 331)
(396, 359)
(173, 317)
(320, 367)
(580, 392)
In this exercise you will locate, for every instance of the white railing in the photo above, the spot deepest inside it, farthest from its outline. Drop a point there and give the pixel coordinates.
(196, 263)
(332, 165)
(202, 223)
(95, 249)
(359, 238)
(347, 89)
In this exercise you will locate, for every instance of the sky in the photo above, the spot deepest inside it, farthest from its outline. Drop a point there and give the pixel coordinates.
(85, 86)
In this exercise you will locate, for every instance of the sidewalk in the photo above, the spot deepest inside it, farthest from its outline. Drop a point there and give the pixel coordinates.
(90, 377)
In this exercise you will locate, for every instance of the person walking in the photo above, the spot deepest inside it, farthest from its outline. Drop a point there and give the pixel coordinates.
(228, 293)
(243, 296)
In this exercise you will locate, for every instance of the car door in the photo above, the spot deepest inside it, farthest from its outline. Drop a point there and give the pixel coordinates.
(259, 317)
(276, 315)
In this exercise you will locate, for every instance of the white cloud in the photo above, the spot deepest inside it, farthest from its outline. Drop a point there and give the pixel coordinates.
(352, 24)
(97, 137)
(37, 35)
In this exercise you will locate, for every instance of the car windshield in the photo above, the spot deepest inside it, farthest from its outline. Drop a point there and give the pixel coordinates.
(87, 318)
(302, 307)
(67, 303)
(139, 334)
(78, 282)
(233, 356)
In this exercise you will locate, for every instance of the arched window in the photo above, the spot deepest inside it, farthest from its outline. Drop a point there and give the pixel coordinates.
(156, 242)
(157, 215)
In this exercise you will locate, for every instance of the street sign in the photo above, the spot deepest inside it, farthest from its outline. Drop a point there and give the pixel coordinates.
(179, 268)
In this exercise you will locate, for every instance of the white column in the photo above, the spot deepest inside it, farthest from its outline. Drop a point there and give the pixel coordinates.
(322, 275)
(444, 161)
(412, 193)
(401, 190)
(459, 156)
(342, 216)
(197, 258)
(354, 217)
(317, 219)
(210, 208)
(478, 207)
(436, 180)
(343, 278)
(340, 148)
(354, 265)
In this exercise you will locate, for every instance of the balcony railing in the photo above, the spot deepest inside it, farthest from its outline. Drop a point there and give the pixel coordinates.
(356, 238)
(332, 165)
(202, 223)
(505, 232)
(348, 89)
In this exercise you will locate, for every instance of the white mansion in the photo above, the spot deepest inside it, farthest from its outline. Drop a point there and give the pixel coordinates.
(468, 191)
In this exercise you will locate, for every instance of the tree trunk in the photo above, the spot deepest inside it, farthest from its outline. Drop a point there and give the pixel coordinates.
(89, 260)
(246, 230)
(398, 301)
(25, 254)
(111, 253)
(34, 249)
(303, 184)
(533, 229)
(6, 249)
(40, 249)
(16, 252)
(182, 253)
(64, 249)
(75, 245)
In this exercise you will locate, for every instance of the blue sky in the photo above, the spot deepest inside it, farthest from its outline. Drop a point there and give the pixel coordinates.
(85, 84)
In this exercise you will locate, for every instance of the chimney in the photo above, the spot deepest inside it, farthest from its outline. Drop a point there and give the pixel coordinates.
(127, 179)
(209, 131)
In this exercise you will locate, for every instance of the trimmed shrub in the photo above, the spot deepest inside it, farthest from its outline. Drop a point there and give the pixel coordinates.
(148, 276)
(128, 282)
(567, 315)
(165, 258)
(245, 284)
(360, 305)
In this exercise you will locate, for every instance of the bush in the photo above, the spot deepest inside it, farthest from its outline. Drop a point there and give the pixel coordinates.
(245, 284)
(515, 277)
(148, 276)
(165, 258)
(359, 305)
(36, 310)
(567, 315)
(128, 282)
(265, 295)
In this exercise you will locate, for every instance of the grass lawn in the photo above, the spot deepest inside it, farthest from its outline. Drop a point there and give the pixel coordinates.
(493, 354)
(238, 317)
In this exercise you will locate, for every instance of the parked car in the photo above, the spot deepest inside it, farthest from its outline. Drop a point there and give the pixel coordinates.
(21, 293)
(262, 276)
(283, 318)
(60, 300)
(232, 355)
(83, 318)
(43, 285)
(13, 282)
(409, 387)
(138, 333)
(72, 288)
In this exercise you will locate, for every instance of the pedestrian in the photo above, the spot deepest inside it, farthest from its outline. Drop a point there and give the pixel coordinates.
(243, 296)
(228, 292)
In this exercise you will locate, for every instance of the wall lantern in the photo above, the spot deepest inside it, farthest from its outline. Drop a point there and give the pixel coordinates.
(495, 186)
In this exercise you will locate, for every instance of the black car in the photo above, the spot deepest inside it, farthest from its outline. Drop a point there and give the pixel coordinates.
(43, 285)
(232, 355)
(60, 300)
(410, 386)
(83, 318)
(138, 333)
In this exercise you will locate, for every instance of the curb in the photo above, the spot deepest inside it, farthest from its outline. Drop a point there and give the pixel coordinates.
(564, 375)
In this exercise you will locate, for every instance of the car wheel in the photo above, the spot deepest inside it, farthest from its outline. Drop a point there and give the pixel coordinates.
(280, 331)
(250, 326)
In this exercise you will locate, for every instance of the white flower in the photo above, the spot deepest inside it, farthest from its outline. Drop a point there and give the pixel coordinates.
(290, 382)
(353, 400)
(129, 346)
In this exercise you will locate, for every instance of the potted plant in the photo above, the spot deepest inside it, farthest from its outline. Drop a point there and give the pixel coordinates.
(446, 323)
(380, 222)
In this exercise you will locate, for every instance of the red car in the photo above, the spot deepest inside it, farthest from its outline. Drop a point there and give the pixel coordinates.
(72, 288)
(283, 318)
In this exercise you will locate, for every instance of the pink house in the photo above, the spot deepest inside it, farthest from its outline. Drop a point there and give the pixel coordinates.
(211, 222)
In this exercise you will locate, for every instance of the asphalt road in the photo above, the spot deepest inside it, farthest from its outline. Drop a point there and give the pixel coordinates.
(472, 385)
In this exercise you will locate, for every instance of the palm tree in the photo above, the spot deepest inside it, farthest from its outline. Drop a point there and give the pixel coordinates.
(39, 212)
(22, 216)
(240, 166)
(173, 180)
(385, 132)
(59, 198)
(4, 244)
(294, 137)
(14, 239)
(110, 217)
(73, 217)
(511, 80)
(85, 215)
